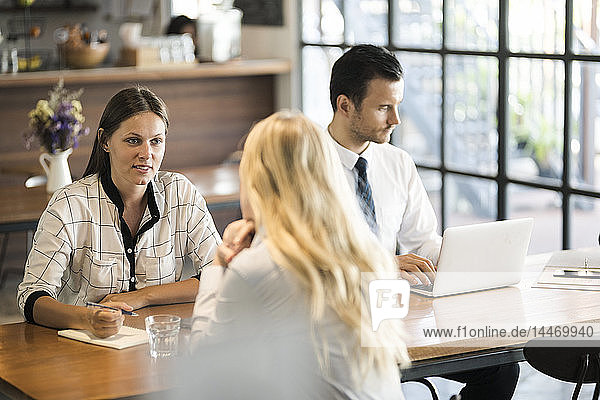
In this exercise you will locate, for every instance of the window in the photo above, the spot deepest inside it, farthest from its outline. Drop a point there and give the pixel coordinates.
(184, 7)
(501, 110)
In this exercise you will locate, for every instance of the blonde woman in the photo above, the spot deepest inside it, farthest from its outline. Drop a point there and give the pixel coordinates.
(284, 319)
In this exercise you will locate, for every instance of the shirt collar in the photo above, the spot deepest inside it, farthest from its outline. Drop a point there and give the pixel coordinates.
(113, 194)
(348, 157)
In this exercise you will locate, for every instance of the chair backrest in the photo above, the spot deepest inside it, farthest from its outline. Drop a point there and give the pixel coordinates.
(575, 361)
(562, 362)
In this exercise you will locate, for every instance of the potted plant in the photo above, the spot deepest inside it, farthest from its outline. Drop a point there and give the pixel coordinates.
(56, 124)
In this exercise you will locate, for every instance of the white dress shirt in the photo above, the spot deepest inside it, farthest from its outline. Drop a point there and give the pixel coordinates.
(79, 253)
(405, 216)
(253, 338)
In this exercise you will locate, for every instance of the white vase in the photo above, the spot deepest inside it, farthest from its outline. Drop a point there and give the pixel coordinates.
(57, 169)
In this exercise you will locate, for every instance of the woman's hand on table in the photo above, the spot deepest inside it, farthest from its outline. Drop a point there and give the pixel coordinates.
(103, 322)
(237, 236)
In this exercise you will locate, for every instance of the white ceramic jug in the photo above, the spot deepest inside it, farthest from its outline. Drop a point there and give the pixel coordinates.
(57, 169)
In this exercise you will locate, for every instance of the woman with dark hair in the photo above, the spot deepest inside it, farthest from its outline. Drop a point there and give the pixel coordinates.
(120, 234)
(182, 24)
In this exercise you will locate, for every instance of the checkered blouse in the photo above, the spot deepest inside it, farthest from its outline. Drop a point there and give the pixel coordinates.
(83, 250)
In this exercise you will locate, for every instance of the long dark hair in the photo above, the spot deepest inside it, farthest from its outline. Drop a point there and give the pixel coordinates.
(122, 106)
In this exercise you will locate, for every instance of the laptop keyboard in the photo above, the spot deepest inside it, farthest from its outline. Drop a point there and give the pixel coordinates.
(427, 288)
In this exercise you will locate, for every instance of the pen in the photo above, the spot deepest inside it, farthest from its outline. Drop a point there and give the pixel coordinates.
(91, 304)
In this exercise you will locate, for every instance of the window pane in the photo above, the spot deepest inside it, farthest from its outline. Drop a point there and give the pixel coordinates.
(366, 21)
(432, 180)
(421, 110)
(585, 126)
(311, 21)
(472, 25)
(184, 7)
(585, 221)
(545, 207)
(535, 107)
(316, 71)
(536, 26)
(417, 23)
(586, 21)
(470, 200)
(471, 101)
(322, 22)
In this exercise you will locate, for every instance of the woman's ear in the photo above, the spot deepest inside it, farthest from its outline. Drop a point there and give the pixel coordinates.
(101, 140)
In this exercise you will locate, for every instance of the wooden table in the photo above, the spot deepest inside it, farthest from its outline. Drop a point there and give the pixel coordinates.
(35, 362)
(21, 208)
(510, 307)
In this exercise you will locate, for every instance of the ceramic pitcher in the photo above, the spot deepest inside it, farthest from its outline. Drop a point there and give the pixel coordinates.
(57, 169)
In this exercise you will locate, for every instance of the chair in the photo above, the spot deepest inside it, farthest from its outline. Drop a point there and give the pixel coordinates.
(430, 386)
(578, 362)
(3, 247)
(31, 182)
(432, 389)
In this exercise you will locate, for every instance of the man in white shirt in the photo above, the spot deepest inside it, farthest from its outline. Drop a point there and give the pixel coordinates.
(366, 89)
(365, 101)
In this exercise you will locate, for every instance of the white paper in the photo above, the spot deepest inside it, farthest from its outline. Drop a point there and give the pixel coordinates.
(127, 337)
(547, 277)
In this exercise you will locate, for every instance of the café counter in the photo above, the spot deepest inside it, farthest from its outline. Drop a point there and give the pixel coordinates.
(211, 107)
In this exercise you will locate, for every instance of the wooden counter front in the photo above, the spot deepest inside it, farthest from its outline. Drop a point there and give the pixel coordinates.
(211, 107)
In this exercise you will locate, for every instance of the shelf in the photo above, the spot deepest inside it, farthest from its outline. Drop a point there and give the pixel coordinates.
(55, 8)
(19, 27)
(159, 73)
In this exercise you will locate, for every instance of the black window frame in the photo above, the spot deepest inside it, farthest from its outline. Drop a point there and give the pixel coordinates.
(503, 55)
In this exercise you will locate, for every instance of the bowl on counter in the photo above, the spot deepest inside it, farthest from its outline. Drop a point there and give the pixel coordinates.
(88, 56)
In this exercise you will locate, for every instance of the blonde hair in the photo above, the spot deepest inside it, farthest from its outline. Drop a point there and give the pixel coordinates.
(300, 197)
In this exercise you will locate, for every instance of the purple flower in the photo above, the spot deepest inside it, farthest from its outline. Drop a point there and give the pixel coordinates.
(57, 122)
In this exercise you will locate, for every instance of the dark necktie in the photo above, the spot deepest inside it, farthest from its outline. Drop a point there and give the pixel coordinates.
(365, 197)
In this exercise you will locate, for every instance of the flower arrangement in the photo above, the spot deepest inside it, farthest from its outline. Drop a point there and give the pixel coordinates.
(57, 123)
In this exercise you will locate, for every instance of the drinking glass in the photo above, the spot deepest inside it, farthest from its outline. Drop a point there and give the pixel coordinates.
(163, 335)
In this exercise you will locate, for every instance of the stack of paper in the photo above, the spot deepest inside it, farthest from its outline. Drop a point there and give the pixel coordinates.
(586, 260)
(127, 337)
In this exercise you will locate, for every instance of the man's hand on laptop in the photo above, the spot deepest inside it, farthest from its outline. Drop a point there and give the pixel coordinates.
(415, 269)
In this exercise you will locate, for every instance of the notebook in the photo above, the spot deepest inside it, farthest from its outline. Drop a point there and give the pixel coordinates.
(127, 337)
(479, 257)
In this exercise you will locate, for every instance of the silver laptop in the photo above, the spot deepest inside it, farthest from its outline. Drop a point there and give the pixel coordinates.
(479, 257)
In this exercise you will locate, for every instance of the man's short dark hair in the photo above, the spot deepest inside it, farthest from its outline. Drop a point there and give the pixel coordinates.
(353, 71)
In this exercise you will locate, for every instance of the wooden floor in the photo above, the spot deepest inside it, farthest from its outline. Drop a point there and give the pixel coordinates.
(532, 385)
